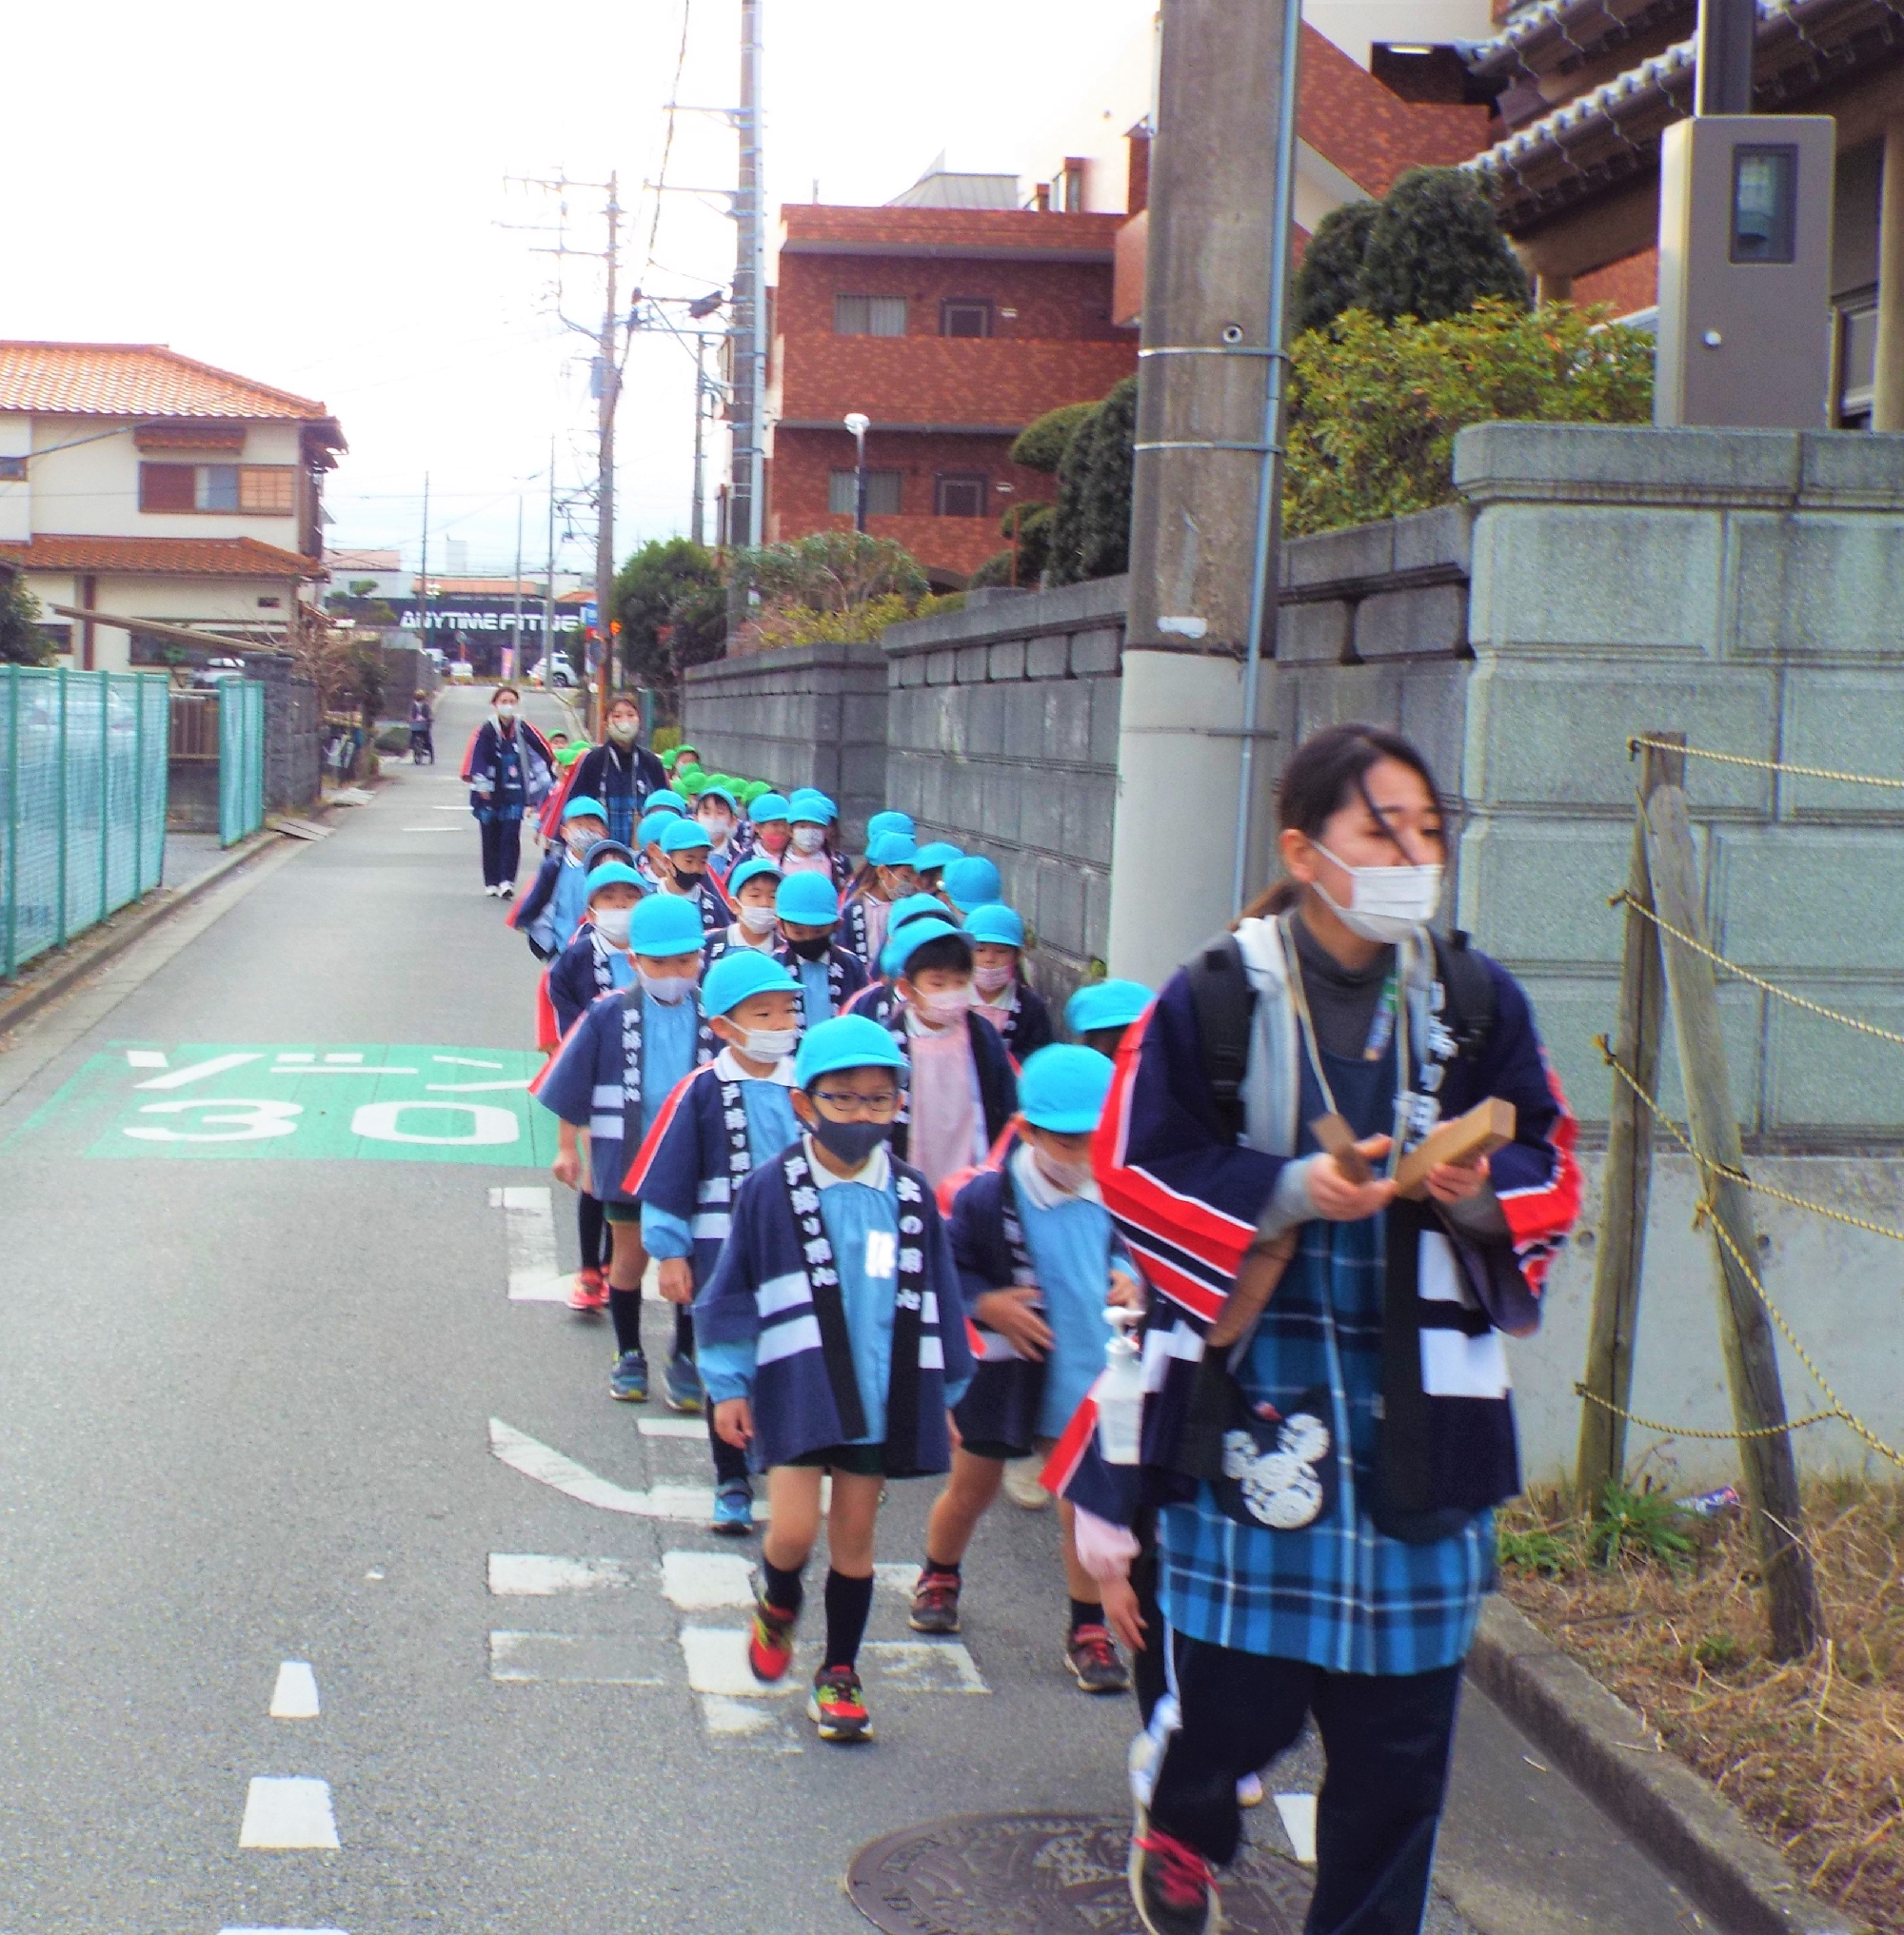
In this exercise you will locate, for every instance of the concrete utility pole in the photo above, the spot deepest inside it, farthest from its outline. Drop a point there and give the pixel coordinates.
(422, 571)
(746, 523)
(548, 583)
(608, 377)
(1205, 525)
(516, 621)
(699, 519)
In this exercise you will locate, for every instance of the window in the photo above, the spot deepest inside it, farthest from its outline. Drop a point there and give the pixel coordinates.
(869, 315)
(12, 470)
(261, 490)
(961, 496)
(965, 316)
(1764, 203)
(881, 493)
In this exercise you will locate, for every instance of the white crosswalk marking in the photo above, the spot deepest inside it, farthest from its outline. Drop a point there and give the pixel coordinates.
(530, 1231)
(1299, 1823)
(295, 1697)
(920, 1666)
(580, 1659)
(283, 1813)
(717, 1663)
(533, 1575)
(673, 1428)
(700, 1582)
(281, 1931)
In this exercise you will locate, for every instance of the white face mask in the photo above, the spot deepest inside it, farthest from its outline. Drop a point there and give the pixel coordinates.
(1386, 904)
(581, 842)
(716, 827)
(809, 838)
(611, 923)
(667, 989)
(1069, 1176)
(624, 731)
(944, 1009)
(505, 713)
(769, 1044)
(992, 980)
(757, 920)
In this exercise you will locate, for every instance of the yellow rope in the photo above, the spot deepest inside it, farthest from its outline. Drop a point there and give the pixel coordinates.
(1650, 1424)
(1632, 745)
(1706, 1209)
(1733, 968)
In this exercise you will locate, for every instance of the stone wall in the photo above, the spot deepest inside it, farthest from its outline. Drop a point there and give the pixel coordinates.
(293, 752)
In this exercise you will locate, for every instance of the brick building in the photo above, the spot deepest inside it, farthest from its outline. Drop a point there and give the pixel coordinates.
(951, 327)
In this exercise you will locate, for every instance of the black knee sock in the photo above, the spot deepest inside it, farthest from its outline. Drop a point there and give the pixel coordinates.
(1083, 1612)
(730, 1462)
(591, 1227)
(933, 1565)
(625, 1311)
(783, 1592)
(684, 1331)
(848, 1602)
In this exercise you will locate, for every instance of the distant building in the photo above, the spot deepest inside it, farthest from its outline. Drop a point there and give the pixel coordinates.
(383, 571)
(139, 483)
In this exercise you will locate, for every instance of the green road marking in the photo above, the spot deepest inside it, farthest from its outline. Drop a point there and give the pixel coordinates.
(325, 1101)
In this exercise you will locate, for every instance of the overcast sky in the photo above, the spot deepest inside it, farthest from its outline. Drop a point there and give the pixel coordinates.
(314, 197)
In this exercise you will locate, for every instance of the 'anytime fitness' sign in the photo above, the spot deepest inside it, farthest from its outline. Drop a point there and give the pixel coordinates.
(440, 621)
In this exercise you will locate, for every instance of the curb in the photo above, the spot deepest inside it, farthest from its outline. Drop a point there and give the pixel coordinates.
(139, 921)
(1611, 1754)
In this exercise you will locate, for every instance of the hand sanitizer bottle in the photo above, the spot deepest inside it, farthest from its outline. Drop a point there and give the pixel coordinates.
(1120, 1394)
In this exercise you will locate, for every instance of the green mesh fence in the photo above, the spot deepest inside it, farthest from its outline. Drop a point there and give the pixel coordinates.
(241, 758)
(82, 800)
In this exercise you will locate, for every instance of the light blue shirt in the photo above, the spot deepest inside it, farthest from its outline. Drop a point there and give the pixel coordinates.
(1072, 1247)
(668, 1035)
(815, 992)
(569, 901)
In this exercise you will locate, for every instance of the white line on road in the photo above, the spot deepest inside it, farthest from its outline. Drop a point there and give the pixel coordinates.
(432, 829)
(691, 1504)
(673, 1428)
(536, 1575)
(700, 1582)
(200, 1071)
(1299, 1823)
(717, 1663)
(464, 1061)
(295, 1695)
(146, 1057)
(579, 1659)
(288, 1813)
(281, 1931)
(529, 1225)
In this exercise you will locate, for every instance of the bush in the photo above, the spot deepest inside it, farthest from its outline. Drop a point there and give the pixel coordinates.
(1090, 532)
(1330, 278)
(831, 571)
(672, 609)
(1434, 249)
(1374, 406)
(21, 641)
(996, 569)
(664, 739)
(1041, 444)
(857, 624)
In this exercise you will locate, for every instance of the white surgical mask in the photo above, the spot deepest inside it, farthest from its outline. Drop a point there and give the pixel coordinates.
(757, 920)
(944, 1009)
(769, 1044)
(1386, 904)
(611, 923)
(667, 989)
(624, 731)
(581, 842)
(993, 981)
(505, 713)
(809, 838)
(716, 827)
(1069, 1176)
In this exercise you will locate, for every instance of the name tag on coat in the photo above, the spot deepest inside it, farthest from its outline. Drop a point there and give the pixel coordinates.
(1453, 1362)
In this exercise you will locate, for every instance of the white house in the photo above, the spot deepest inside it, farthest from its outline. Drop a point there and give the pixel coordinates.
(138, 483)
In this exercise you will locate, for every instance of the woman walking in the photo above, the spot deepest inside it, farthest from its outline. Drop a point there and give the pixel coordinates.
(510, 769)
(1324, 1484)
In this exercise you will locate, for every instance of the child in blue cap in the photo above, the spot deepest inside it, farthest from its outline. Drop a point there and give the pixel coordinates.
(829, 976)
(722, 1122)
(755, 927)
(719, 813)
(1103, 1013)
(832, 1339)
(1038, 1262)
(879, 1000)
(969, 882)
(931, 860)
(683, 848)
(812, 844)
(888, 876)
(768, 830)
(889, 821)
(1006, 999)
(550, 913)
(610, 1076)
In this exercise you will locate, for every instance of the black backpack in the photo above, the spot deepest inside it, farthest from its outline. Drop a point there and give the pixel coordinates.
(1225, 1006)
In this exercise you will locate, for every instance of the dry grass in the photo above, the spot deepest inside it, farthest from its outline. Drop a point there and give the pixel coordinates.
(1810, 1750)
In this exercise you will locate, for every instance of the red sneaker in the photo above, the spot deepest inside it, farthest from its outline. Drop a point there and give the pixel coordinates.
(838, 1708)
(590, 1292)
(1172, 1887)
(770, 1644)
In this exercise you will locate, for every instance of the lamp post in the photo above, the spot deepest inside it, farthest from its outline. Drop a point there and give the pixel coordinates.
(859, 425)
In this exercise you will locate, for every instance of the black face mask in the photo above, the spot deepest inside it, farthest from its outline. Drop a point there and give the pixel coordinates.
(851, 1142)
(816, 949)
(690, 879)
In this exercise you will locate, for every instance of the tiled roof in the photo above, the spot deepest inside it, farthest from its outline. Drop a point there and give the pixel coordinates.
(158, 557)
(821, 229)
(135, 380)
(1371, 133)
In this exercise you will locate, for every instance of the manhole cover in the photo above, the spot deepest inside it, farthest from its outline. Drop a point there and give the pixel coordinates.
(1042, 1874)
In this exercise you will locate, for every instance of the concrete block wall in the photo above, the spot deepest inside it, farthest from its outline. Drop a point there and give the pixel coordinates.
(1002, 736)
(799, 716)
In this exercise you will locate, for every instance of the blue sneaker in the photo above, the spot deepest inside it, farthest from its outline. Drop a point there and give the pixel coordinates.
(733, 1511)
(629, 1380)
(682, 1385)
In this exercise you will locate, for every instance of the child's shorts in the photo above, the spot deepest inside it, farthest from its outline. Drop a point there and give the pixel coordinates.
(622, 1213)
(1006, 1454)
(860, 1461)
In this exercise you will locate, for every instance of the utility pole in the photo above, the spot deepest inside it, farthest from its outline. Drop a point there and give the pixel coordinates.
(548, 583)
(516, 623)
(423, 572)
(1203, 524)
(700, 512)
(746, 523)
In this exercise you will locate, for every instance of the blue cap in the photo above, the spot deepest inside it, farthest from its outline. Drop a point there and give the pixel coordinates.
(756, 867)
(604, 851)
(972, 880)
(910, 939)
(890, 822)
(1062, 1089)
(612, 873)
(653, 825)
(916, 907)
(679, 834)
(581, 805)
(809, 803)
(666, 924)
(708, 793)
(847, 1041)
(891, 849)
(664, 802)
(808, 900)
(936, 853)
(744, 971)
(768, 806)
(1107, 1004)
(995, 923)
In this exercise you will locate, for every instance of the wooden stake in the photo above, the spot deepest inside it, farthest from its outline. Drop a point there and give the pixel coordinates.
(1767, 1467)
(1627, 1180)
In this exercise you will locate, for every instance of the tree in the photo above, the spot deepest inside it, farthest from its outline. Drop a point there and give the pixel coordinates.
(1041, 444)
(1090, 532)
(831, 571)
(363, 587)
(673, 611)
(1434, 249)
(21, 641)
(1330, 278)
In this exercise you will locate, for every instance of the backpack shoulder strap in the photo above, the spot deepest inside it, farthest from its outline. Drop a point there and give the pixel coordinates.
(1469, 988)
(1224, 1003)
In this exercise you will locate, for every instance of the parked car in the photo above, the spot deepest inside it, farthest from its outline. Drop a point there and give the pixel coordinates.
(461, 670)
(215, 671)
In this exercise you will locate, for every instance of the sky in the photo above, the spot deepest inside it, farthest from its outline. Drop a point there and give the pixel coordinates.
(322, 199)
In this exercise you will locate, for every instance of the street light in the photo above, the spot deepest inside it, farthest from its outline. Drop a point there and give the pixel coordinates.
(859, 425)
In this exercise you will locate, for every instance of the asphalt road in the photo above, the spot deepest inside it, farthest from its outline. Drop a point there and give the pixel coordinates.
(253, 1390)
